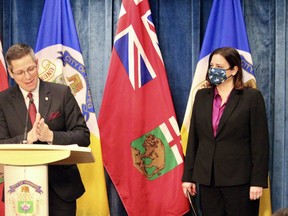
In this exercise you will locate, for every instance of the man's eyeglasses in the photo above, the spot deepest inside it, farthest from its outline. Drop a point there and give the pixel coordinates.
(30, 70)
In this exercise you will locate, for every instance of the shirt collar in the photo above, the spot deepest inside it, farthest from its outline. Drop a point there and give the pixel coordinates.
(35, 92)
(216, 93)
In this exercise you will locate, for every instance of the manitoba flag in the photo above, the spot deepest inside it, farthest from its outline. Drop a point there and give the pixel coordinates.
(140, 137)
(3, 72)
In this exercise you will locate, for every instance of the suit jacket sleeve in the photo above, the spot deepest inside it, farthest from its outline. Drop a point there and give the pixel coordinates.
(11, 126)
(259, 142)
(70, 127)
(192, 147)
(5, 136)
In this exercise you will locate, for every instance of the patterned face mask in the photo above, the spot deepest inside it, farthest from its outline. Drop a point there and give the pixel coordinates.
(217, 75)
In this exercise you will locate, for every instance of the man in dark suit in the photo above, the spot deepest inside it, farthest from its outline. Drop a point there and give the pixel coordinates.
(58, 121)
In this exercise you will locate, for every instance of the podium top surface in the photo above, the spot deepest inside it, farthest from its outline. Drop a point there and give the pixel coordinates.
(37, 154)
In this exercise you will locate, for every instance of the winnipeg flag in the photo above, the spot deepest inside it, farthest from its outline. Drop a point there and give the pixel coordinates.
(60, 60)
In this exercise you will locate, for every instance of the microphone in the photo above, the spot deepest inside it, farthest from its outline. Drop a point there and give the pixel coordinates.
(26, 122)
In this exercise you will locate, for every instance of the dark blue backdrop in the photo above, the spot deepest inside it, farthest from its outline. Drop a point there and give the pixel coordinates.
(180, 27)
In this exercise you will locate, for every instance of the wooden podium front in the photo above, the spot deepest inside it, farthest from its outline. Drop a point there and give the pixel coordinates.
(26, 174)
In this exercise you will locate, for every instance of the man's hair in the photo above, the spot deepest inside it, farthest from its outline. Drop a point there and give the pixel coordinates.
(281, 212)
(18, 51)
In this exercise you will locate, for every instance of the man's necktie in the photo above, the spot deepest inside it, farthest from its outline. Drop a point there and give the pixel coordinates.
(32, 108)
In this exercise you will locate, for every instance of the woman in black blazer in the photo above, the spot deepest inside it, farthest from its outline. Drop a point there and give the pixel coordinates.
(228, 144)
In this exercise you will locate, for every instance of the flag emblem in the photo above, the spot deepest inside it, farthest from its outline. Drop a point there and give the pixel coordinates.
(149, 152)
(66, 68)
(149, 155)
(247, 69)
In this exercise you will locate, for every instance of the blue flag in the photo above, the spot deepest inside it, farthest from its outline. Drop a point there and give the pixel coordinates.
(57, 27)
(60, 60)
(225, 28)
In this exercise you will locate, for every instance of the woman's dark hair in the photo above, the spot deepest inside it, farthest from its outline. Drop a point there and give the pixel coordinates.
(233, 58)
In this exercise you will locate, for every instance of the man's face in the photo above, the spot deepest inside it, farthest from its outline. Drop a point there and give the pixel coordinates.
(25, 72)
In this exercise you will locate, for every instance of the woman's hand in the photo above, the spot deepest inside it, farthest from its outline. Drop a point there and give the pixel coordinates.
(190, 187)
(255, 192)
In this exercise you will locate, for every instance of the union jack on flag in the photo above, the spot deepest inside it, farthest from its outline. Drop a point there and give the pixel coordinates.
(131, 44)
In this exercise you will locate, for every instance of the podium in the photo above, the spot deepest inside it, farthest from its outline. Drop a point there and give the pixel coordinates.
(26, 174)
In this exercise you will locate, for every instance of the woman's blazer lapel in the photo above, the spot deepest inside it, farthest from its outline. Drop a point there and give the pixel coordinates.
(208, 103)
(230, 107)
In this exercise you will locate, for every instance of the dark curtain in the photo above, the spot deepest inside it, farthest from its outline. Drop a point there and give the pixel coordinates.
(180, 27)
